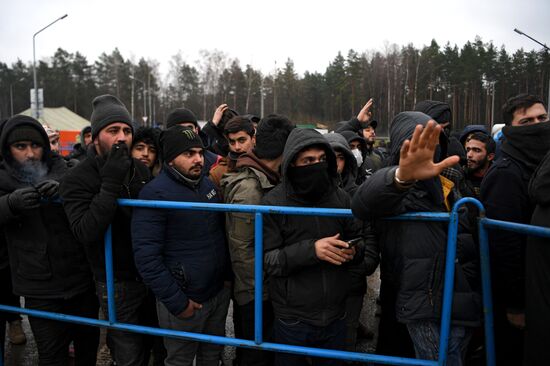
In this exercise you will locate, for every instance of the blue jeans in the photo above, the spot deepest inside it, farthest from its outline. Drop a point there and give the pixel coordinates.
(210, 319)
(134, 305)
(425, 336)
(297, 333)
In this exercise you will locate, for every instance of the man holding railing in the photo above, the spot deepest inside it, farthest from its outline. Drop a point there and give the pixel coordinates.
(305, 257)
(181, 254)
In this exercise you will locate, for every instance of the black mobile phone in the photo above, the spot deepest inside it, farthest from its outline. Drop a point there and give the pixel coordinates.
(354, 242)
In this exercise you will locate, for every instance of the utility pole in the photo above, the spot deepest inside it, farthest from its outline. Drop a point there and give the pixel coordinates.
(547, 48)
(35, 112)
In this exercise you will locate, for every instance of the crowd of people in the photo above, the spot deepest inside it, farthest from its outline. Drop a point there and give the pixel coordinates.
(179, 269)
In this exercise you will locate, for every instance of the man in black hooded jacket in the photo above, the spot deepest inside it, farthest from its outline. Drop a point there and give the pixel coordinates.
(48, 264)
(413, 253)
(505, 197)
(303, 255)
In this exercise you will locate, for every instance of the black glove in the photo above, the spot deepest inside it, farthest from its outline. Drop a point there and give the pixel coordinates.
(48, 188)
(117, 165)
(23, 199)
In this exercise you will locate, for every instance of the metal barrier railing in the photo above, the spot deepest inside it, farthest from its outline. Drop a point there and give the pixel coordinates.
(258, 343)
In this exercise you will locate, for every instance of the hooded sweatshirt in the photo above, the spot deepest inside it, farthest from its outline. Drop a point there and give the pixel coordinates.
(413, 253)
(45, 258)
(301, 286)
(349, 174)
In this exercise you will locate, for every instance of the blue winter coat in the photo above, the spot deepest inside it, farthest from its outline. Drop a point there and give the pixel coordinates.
(180, 254)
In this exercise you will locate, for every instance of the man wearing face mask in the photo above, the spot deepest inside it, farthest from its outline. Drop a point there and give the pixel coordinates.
(306, 257)
(504, 193)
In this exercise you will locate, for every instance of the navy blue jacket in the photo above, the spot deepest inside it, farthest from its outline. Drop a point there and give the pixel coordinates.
(180, 254)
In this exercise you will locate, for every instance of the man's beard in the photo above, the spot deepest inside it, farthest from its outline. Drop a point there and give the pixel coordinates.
(479, 166)
(30, 172)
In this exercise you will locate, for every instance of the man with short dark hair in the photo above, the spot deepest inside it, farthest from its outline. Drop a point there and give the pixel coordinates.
(48, 265)
(504, 193)
(256, 173)
(480, 153)
(181, 254)
(90, 193)
(240, 134)
(145, 148)
(214, 129)
(305, 256)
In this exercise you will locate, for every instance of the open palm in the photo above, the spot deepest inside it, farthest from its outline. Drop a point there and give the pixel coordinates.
(416, 157)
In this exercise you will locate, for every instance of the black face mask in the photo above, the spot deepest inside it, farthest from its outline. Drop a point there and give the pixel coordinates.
(310, 182)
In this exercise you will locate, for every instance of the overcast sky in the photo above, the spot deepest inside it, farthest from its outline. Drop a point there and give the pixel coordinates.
(259, 32)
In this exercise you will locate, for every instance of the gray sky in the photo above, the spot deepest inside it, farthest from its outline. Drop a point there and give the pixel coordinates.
(260, 32)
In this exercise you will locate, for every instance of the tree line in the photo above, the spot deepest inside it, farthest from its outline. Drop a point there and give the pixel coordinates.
(475, 80)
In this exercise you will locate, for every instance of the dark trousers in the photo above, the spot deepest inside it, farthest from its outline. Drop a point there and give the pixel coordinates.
(393, 337)
(509, 341)
(134, 305)
(6, 298)
(243, 316)
(53, 337)
(295, 332)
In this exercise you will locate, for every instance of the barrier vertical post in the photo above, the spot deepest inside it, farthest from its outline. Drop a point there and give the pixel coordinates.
(109, 275)
(486, 293)
(448, 286)
(258, 276)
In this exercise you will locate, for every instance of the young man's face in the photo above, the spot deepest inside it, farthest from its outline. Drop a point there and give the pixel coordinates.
(54, 143)
(146, 153)
(355, 144)
(476, 153)
(340, 161)
(26, 151)
(241, 142)
(189, 163)
(112, 134)
(529, 116)
(369, 134)
(310, 156)
(87, 138)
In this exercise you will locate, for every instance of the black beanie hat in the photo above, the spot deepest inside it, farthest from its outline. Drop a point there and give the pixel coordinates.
(439, 111)
(181, 115)
(26, 133)
(271, 136)
(176, 140)
(107, 109)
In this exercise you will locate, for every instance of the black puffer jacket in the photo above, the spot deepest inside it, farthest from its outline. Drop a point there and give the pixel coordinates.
(537, 272)
(413, 253)
(46, 260)
(91, 207)
(302, 286)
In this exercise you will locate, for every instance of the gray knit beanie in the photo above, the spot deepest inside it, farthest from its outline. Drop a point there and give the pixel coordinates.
(108, 109)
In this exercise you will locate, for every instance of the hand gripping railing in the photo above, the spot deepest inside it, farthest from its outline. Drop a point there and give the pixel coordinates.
(258, 343)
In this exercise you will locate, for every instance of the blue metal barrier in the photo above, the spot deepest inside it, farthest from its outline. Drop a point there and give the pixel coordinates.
(258, 343)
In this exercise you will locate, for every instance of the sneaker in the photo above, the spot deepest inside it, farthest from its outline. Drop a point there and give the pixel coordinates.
(15, 333)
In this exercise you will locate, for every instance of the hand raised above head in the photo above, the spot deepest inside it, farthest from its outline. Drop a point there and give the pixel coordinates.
(365, 114)
(416, 161)
(219, 113)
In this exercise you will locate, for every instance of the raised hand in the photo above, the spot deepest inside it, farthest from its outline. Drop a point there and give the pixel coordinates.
(218, 114)
(416, 160)
(365, 114)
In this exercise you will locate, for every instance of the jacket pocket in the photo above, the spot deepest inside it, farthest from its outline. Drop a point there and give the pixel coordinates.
(32, 257)
(242, 226)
